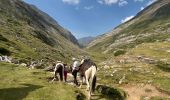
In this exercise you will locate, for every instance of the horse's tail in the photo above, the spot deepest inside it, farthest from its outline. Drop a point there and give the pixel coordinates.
(93, 81)
(93, 84)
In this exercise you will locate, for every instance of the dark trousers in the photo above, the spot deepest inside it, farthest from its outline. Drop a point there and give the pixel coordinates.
(74, 73)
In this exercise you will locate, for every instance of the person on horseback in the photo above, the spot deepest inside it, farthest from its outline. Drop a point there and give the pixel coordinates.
(75, 68)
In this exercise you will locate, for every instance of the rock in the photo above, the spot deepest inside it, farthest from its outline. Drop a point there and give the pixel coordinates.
(164, 60)
(114, 71)
(5, 59)
(146, 98)
(106, 67)
(111, 74)
(23, 64)
(168, 51)
(121, 80)
(154, 73)
(0, 58)
(150, 81)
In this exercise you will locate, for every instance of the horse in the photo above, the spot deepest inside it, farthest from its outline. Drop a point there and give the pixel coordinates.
(59, 69)
(88, 69)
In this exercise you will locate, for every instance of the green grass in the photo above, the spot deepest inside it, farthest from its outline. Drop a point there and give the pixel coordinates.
(159, 98)
(156, 50)
(141, 26)
(97, 57)
(20, 83)
(155, 74)
(163, 84)
(24, 40)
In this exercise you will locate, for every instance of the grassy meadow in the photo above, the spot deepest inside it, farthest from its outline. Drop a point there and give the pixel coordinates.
(21, 83)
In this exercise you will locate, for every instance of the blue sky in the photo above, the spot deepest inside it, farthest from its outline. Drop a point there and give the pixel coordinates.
(90, 17)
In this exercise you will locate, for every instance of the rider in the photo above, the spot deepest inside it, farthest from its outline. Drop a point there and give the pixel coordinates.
(75, 66)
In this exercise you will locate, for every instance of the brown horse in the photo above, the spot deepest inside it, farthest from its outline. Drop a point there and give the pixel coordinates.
(88, 70)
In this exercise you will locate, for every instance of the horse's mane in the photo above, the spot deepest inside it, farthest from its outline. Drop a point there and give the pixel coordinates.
(87, 63)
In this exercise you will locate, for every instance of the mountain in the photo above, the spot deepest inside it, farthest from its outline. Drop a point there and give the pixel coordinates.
(28, 33)
(150, 25)
(85, 41)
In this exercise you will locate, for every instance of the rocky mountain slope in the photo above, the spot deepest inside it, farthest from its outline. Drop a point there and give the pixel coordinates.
(28, 33)
(150, 25)
(85, 41)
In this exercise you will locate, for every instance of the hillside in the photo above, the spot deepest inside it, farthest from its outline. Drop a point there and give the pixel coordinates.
(150, 25)
(28, 33)
(85, 41)
(135, 55)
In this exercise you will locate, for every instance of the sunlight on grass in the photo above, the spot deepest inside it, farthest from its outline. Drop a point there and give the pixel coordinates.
(18, 83)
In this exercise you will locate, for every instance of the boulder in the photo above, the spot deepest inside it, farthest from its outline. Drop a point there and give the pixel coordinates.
(23, 64)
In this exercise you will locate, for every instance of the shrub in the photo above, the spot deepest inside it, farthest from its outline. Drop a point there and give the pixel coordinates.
(163, 65)
(119, 52)
(111, 92)
(4, 51)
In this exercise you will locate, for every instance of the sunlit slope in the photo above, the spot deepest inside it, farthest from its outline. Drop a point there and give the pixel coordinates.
(26, 32)
(150, 25)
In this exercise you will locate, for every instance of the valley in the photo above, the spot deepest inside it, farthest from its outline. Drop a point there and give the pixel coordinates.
(133, 59)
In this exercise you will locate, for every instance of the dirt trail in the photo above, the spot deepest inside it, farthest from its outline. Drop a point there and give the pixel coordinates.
(83, 89)
(135, 92)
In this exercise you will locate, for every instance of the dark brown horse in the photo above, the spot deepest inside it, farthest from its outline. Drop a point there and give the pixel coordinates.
(88, 70)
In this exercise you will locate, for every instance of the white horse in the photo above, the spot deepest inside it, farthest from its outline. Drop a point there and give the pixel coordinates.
(88, 70)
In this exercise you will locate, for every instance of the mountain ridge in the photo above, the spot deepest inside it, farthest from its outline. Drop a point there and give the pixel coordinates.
(84, 41)
(28, 33)
(135, 30)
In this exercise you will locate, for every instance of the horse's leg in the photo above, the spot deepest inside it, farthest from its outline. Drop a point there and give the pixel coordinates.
(81, 81)
(93, 79)
(87, 76)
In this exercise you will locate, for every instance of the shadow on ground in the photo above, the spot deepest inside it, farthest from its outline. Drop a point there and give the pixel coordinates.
(17, 93)
(110, 93)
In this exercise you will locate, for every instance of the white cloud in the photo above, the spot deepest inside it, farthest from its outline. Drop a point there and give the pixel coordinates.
(100, 1)
(141, 8)
(122, 2)
(107, 2)
(72, 2)
(127, 19)
(111, 2)
(150, 2)
(138, 0)
(88, 7)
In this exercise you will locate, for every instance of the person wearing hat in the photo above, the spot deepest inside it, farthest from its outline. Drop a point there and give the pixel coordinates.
(75, 66)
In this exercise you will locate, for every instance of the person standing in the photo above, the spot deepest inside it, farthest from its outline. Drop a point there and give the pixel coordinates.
(65, 72)
(75, 69)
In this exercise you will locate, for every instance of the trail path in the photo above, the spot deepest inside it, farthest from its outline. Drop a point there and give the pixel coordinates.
(135, 92)
(83, 89)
